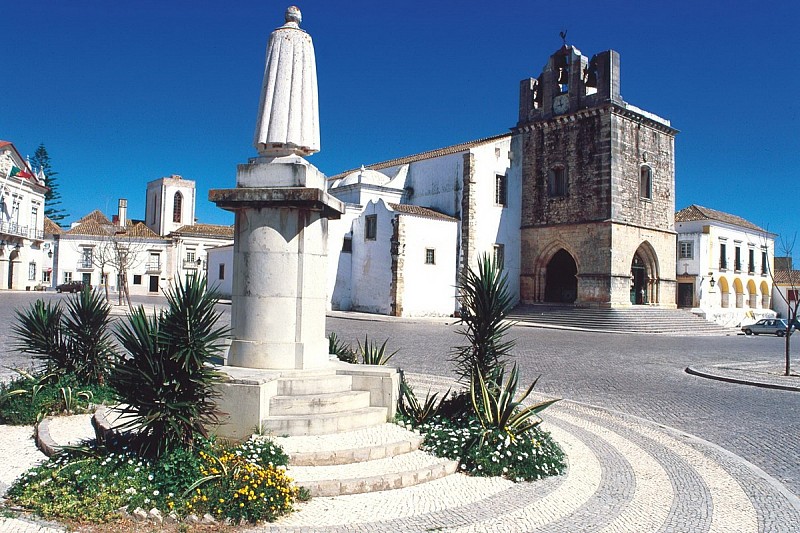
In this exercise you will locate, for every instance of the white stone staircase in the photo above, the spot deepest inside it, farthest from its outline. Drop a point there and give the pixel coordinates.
(370, 459)
(319, 403)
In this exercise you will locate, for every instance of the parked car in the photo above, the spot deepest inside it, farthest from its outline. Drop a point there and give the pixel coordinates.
(770, 326)
(72, 286)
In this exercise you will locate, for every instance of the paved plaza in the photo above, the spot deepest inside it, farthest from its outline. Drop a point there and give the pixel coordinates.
(650, 446)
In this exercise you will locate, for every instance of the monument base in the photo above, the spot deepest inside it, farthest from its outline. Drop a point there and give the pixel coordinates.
(285, 402)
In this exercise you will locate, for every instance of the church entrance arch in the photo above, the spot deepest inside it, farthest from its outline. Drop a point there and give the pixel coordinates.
(561, 282)
(644, 276)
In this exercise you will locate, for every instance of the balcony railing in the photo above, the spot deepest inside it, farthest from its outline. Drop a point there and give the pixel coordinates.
(17, 230)
(153, 266)
(84, 265)
(191, 264)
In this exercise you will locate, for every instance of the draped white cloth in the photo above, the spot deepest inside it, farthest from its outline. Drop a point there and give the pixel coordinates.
(288, 115)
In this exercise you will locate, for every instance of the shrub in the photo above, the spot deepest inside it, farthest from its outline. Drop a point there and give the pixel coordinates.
(372, 354)
(165, 385)
(30, 397)
(93, 484)
(495, 407)
(76, 343)
(342, 351)
(410, 407)
(485, 304)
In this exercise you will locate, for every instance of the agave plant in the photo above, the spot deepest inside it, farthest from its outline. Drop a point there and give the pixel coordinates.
(485, 304)
(341, 350)
(86, 326)
(38, 331)
(372, 354)
(495, 406)
(165, 385)
(411, 408)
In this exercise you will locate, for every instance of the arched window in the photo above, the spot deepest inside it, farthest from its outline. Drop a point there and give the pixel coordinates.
(177, 207)
(646, 183)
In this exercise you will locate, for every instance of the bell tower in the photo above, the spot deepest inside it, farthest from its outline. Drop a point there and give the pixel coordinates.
(169, 204)
(598, 188)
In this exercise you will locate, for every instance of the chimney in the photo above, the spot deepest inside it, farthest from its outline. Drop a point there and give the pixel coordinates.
(122, 213)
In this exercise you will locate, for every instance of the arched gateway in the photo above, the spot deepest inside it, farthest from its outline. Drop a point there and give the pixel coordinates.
(644, 276)
(561, 282)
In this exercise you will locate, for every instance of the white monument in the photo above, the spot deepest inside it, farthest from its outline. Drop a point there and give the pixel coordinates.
(279, 293)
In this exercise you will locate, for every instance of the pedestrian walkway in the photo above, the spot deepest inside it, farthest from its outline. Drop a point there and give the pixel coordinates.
(625, 474)
(767, 374)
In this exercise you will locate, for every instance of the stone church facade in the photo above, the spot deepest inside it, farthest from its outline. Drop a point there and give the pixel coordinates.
(598, 189)
(577, 201)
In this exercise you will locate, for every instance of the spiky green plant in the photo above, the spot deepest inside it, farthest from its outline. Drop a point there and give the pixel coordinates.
(495, 406)
(344, 352)
(38, 331)
(86, 325)
(372, 354)
(411, 408)
(485, 304)
(165, 385)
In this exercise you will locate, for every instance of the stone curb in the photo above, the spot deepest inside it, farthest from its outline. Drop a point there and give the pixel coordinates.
(715, 373)
(44, 441)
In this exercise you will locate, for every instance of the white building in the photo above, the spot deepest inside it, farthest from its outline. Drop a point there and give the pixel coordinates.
(166, 245)
(95, 249)
(786, 286)
(412, 224)
(23, 257)
(723, 266)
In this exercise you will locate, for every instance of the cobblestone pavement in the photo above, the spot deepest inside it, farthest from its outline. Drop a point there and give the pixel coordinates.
(643, 376)
(767, 374)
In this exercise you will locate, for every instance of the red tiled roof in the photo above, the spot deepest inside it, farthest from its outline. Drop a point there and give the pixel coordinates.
(698, 212)
(209, 230)
(787, 277)
(51, 228)
(96, 216)
(424, 155)
(416, 210)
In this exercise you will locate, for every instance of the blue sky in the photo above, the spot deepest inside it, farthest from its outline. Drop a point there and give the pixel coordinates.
(125, 92)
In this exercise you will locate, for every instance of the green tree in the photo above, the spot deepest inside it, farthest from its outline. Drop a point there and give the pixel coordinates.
(52, 199)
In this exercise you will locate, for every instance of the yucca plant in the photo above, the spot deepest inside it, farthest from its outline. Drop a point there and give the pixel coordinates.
(485, 304)
(495, 406)
(86, 326)
(372, 354)
(38, 331)
(344, 352)
(165, 385)
(419, 413)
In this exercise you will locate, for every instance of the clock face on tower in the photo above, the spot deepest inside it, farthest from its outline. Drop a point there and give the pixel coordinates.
(561, 103)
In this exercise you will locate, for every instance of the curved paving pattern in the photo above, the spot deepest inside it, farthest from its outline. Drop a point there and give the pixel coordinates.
(625, 474)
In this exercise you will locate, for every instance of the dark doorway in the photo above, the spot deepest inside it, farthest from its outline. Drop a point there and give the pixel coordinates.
(11, 259)
(685, 294)
(153, 283)
(561, 285)
(86, 277)
(638, 281)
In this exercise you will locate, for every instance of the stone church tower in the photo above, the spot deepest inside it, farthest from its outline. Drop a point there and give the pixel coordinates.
(598, 189)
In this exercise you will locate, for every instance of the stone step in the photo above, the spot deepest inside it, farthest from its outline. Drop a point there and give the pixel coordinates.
(389, 473)
(315, 384)
(377, 442)
(320, 424)
(331, 402)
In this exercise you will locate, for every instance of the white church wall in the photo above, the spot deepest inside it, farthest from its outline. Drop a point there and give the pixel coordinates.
(496, 224)
(340, 264)
(428, 289)
(372, 262)
(436, 182)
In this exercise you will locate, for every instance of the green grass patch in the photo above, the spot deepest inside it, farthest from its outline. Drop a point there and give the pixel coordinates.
(243, 482)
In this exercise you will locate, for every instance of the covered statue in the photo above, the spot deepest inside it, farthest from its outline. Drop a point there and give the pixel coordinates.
(288, 117)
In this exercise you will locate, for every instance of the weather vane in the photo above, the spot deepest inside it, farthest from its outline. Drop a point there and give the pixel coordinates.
(563, 35)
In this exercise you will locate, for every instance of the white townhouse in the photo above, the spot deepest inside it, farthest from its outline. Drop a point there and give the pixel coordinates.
(723, 266)
(23, 255)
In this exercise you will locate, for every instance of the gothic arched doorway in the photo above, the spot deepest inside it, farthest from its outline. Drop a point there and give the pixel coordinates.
(561, 285)
(638, 281)
(644, 276)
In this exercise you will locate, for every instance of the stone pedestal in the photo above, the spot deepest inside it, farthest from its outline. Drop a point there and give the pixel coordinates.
(279, 262)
